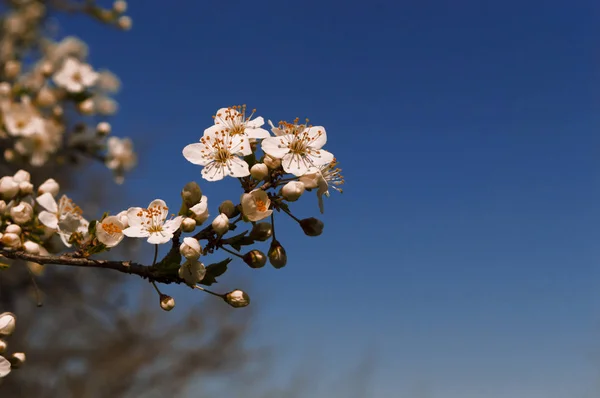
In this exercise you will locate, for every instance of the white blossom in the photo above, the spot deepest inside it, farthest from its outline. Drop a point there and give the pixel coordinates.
(259, 171)
(110, 231)
(192, 272)
(4, 367)
(7, 323)
(49, 186)
(220, 154)
(299, 149)
(120, 156)
(235, 122)
(21, 120)
(221, 224)
(75, 76)
(152, 223)
(21, 213)
(190, 248)
(64, 216)
(292, 190)
(200, 211)
(323, 177)
(255, 205)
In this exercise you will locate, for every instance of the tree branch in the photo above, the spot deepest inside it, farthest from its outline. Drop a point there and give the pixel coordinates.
(128, 267)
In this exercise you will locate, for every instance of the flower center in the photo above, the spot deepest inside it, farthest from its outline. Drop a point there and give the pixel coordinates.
(77, 77)
(156, 228)
(260, 205)
(222, 155)
(112, 228)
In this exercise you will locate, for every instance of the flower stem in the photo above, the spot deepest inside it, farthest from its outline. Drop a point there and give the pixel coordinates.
(290, 214)
(230, 251)
(273, 225)
(208, 291)
(153, 264)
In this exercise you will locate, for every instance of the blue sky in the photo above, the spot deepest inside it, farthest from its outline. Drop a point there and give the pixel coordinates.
(463, 252)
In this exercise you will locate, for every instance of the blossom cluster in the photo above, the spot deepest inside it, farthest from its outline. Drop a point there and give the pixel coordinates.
(7, 363)
(47, 99)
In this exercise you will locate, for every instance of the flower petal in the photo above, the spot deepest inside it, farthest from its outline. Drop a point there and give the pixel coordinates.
(197, 154)
(295, 164)
(276, 146)
(161, 206)
(320, 157)
(48, 202)
(136, 231)
(318, 136)
(173, 225)
(213, 171)
(4, 366)
(48, 219)
(158, 238)
(238, 168)
(135, 216)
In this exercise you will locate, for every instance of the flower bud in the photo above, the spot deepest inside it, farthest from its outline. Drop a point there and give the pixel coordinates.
(5, 88)
(2, 347)
(25, 188)
(192, 272)
(46, 68)
(49, 186)
(167, 303)
(188, 224)
(272, 163)
(255, 259)
(86, 107)
(7, 323)
(31, 247)
(17, 360)
(277, 256)
(103, 128)
(9, 188)
(120, 6)
(292, 190)
(45, 97)
(228, 208)
(261, 231)
(190, 248)
(237, 298)
(21, 213)
(11, 240)
(13, 229)
(12, 69)
(124, 22)
(200, 211)
(221, 224)
(259, 171)
(191, 194)
(58, 111)
(22, 175)
(312, 226)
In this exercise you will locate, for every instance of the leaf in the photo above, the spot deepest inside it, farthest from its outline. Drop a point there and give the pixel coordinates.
(214, 270)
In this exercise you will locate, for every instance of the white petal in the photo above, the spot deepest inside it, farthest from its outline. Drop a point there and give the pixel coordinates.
(320, 157)
(48, 202)
(193, 153)
(4, 366)
(255, 123)
(318, 136)
(135, 216)
(295, 164)
(213, 172)
(274, 147)
(162, 207)
(173, 225)
(257, 133)
(48, 219)
(238, 168)
(136, 231)
(159, 238)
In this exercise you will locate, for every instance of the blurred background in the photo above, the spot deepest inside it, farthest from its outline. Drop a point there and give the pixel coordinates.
(461, 261)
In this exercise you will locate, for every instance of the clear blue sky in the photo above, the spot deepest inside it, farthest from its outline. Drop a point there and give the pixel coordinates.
(464, 250)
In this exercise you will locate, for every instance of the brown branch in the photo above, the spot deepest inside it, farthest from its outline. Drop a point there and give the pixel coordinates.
(128, 267)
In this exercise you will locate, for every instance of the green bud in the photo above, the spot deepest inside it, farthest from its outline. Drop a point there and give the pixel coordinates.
(312, 226)
(191, 194)
(228, 208)
(277, 256)
(237, 298)
(261, 231)
(255, 259)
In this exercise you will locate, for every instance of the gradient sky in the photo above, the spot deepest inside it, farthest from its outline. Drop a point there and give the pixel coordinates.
(463, 253)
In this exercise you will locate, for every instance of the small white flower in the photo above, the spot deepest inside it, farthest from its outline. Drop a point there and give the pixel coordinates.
(192, 272)
(221, 224)
(21, 213)
(219, 152)
(323, 177)
(7, 323)
(40, 145)
(9, 188)
(4, 366)
(255, 205)
(190, 248)
(75, 76)
(49, 186)
(200, 211)
(152, 223)
(299, 149)
(120, 157)
(21, 120)
(110, 231)
(235, 122)
(292, 190)
(64, 216)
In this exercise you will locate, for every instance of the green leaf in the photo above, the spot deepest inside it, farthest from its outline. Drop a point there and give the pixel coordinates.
(92, 227)
(214, 270)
